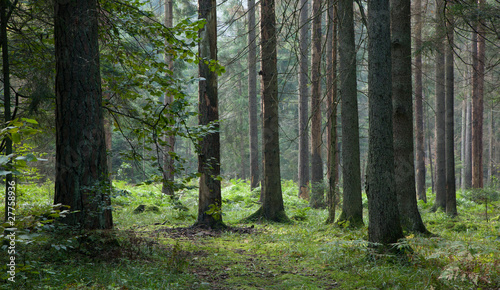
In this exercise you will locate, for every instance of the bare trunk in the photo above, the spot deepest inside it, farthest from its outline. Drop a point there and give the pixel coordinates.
(490, 149)
(303, 174)
(81, 165)
(317, 193)
(404, 165)
(451, 198)
(462, 144)
(440, 110)
(384, 224)
(468, 145)
(352, 207)
(252, 97)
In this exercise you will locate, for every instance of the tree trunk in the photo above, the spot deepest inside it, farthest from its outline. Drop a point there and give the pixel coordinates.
(462, 144)
(468, 146)
(478, 106)
(352, 207)
(252, 97)
(81, 172)
(6, 94)
(272, 199)
(419, 108)
(451, 196)
(168, 160)
(384, 225)
(317, 193)
(209, 205)
(490, 149)
(331, 85)
(303, 174)
(440, 110)
(403, 117)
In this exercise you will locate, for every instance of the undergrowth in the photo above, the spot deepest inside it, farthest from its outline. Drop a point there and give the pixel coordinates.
(154, 248)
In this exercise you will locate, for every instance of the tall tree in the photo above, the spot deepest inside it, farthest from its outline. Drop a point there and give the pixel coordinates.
(384, 226)
(403, 116)
(331, 100)
(81, 172)
(451, 198)
(352, 207)
(209, 203)
(252, 96)
(317, 194)
(468, 145)
(272, 198)
(168, 159)
(478, 101)
(419, 108)
(4, 11)
(303, 166)
(440, 109)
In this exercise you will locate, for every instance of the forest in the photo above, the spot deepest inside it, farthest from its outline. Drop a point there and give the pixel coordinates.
(272, 144)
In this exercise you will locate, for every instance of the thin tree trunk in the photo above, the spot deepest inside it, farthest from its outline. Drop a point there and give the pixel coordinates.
(303, 174)
(317, 193)
(419, 111)
(468, 145)
(478, 107)
(462, 144)
(440, 110)
(451, 196)
(403, 116)
(352, 207)
(210, 203)
(6, 98)
(384, 224)
(331, 64)
(490, 149)
(81, 173)
(252, 97)
(168, 160)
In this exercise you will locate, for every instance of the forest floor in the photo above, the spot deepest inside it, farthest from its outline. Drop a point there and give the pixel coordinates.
(156, 248)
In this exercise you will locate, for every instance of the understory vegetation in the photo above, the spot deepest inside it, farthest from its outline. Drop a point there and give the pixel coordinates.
(154, 247)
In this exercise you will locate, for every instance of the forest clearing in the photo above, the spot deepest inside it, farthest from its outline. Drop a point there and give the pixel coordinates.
(158, 249)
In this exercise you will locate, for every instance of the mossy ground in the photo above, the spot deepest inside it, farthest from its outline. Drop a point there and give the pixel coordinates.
(159, 250)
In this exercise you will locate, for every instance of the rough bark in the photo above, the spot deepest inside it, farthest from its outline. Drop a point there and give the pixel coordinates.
(384, 224)
(403, 116)
(209, 204)
(419, 108)
(331, 86)
(303, 166)
(317, 192)
(81, 168)
(352, 207)
(168, 160)
(440, 110)
(451, 196)
(252, 97)
(478, 107)
(272, 199)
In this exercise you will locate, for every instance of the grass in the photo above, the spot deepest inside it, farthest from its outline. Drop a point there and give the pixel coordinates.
(142, 253)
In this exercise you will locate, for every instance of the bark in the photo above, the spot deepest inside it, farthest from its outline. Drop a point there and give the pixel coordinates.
(384, 224)
(440, 111)
(252, 97)
(490, 149)
(462, 144)
(272, 199)
(468, 146)
(419, 110)
(331, 64)
(168, 160)
(81, 171)
(243, 172)
(209, 204)
(352, 207)
(6, 97)
(317, 193)
(403, 117)
(303, 166)
(451, 198)
(478, 107)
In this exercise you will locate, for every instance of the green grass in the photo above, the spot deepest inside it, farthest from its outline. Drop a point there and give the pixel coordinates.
(140, 253)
